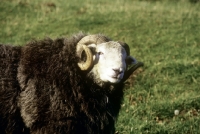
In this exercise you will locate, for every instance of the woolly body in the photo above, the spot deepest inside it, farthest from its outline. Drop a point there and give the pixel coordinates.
(42, 90)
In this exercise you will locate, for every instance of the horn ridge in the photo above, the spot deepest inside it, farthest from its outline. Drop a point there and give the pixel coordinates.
(82, 46)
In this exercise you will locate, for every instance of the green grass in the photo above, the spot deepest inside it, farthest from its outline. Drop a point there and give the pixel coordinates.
(164, 34)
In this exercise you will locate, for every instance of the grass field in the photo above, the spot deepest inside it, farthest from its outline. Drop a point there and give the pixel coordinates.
(164, 34)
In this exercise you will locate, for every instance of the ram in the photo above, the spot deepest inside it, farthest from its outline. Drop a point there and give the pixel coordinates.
(67, 85)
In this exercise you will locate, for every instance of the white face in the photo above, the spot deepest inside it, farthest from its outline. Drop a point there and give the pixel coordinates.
(110, 61)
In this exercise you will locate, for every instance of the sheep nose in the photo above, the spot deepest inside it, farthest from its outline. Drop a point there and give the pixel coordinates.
(117, 70)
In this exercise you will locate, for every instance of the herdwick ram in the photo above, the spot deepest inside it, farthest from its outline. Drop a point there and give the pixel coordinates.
(67, 85)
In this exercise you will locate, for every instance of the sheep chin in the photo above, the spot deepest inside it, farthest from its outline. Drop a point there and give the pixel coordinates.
(112, 79)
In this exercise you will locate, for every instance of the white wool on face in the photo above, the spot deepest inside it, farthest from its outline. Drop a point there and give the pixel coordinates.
(110, 63)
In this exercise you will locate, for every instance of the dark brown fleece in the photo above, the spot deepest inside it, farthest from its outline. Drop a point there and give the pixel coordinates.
(10, 119)
(43, 91)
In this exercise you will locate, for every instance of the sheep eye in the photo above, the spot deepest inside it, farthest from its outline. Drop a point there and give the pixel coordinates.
(100, 53)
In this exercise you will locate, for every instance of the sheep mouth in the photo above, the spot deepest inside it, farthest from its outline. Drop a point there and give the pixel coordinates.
(116, 77)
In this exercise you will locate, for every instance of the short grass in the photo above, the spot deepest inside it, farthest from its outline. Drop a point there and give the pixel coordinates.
(164, 34)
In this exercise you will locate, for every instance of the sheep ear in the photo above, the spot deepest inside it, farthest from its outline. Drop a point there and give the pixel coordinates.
(134, 65)
(130, 60)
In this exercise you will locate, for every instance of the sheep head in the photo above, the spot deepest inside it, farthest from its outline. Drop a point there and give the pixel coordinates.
(107, 60)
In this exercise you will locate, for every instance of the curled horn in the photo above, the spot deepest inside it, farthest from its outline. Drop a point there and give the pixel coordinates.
(82, 47)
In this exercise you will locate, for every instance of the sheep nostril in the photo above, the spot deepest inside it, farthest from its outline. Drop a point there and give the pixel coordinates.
(117, 71)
